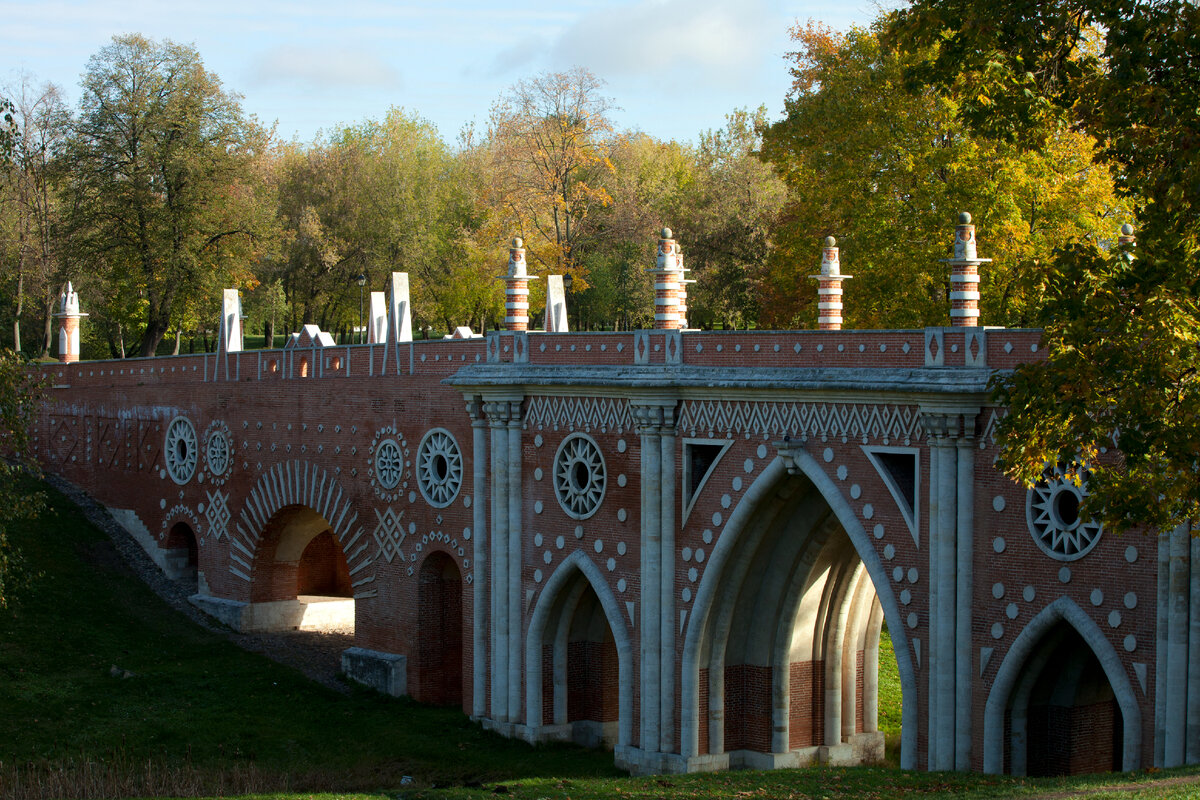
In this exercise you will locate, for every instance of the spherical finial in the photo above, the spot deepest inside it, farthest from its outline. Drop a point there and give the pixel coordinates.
(1127, 229)
(964, 218)
(666, 233)
(830, 241)
(517, 243)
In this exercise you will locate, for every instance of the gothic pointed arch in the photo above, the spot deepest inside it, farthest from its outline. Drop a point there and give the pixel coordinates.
(800, 504)
(1024, 655)
(552, 617)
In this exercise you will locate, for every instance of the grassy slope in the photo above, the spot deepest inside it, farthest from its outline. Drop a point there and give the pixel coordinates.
(198, 710)
(196, 698)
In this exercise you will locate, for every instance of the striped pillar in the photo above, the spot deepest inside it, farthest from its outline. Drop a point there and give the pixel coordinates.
(68, 331)
(667, 285)
(964, 276)
(1127, 236)
(829, 288)
(516, 280)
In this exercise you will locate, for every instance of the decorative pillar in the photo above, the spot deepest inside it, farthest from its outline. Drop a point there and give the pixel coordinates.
(1127, 236)
(516, 281)
(556, 305)
(667, 277)
(68, 331)
(497, 415)
(950, 436)
(480, 564)
(829, 288)
(656, 422)
(964, 275)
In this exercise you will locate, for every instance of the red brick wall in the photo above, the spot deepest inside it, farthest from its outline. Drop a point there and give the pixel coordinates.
(806, 711)
(1072, 740)
(593, 687)
(748, 708)
(440, 640)
(323, 569)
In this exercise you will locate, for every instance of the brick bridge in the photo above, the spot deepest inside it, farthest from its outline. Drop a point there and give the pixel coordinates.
(680, 544)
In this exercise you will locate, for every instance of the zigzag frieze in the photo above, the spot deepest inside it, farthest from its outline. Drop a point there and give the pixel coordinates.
(298, 483)
(605, 414)
(825, 420)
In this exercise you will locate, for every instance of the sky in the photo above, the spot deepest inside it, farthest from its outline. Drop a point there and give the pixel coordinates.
(673, 68)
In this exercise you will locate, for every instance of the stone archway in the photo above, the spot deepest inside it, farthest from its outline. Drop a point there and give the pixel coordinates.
(299, 577)
(579, 683)
(182, 557)
(787, 617)
(1029, 704)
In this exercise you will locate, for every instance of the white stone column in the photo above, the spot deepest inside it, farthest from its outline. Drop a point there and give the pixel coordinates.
(1179, 582)
(963, 671)
(497, 413)
(669, 626)
(516, 636)
(480, 563)
(943, 428)
(647, 419)
(1192, 756)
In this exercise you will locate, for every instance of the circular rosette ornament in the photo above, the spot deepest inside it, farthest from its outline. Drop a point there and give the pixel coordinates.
(218, 452)
(579, 476)
(1052, 513)
(388, 464)
(439, 468)
(181, 450)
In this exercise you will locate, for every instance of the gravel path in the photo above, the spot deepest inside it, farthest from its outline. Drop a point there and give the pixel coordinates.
(315, 653)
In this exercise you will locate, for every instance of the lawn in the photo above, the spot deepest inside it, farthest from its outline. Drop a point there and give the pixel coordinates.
(105, 691)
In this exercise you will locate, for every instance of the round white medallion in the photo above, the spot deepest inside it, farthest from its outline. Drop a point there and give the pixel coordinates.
(1052, 513)
(579, 476)
(181, 450)
(439, 468)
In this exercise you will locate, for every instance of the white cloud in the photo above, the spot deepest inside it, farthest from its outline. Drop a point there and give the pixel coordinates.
(317, 67)
(711, 40)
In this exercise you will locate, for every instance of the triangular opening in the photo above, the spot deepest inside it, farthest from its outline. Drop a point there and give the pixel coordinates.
(700, 457)
(900, 469)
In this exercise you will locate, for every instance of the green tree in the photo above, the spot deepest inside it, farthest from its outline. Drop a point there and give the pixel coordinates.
(549, 139)
(33, 241)
(19, 403)
(1117, 390)
(165, 183)
(885, 167)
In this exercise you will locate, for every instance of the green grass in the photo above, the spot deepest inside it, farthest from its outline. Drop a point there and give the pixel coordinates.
(201, 717)
(196, 701)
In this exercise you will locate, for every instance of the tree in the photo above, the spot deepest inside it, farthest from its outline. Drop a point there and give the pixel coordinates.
(378, 197)
(1116, 395)
(32, 238)
(728, 236)
(549, 139)
(164, 174)
(19, 403)
(885, 167)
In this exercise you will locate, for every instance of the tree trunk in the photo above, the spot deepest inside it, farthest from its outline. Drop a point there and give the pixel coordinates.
(17, 316)
(48, 327)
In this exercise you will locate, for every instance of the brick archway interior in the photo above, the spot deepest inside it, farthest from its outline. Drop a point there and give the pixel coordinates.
(798, 618)
(1063, 717)
(580, 669)
(182, 552)
(440, 631)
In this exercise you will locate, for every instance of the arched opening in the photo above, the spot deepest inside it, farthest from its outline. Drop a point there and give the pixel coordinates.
(183, 556)
(303, 366)
(1063, 717)
(300, 579)
(579, 665)
(440, 643)
(782, 657)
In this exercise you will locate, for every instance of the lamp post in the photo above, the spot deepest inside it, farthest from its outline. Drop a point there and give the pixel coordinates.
(361, 280)
(568, 282)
